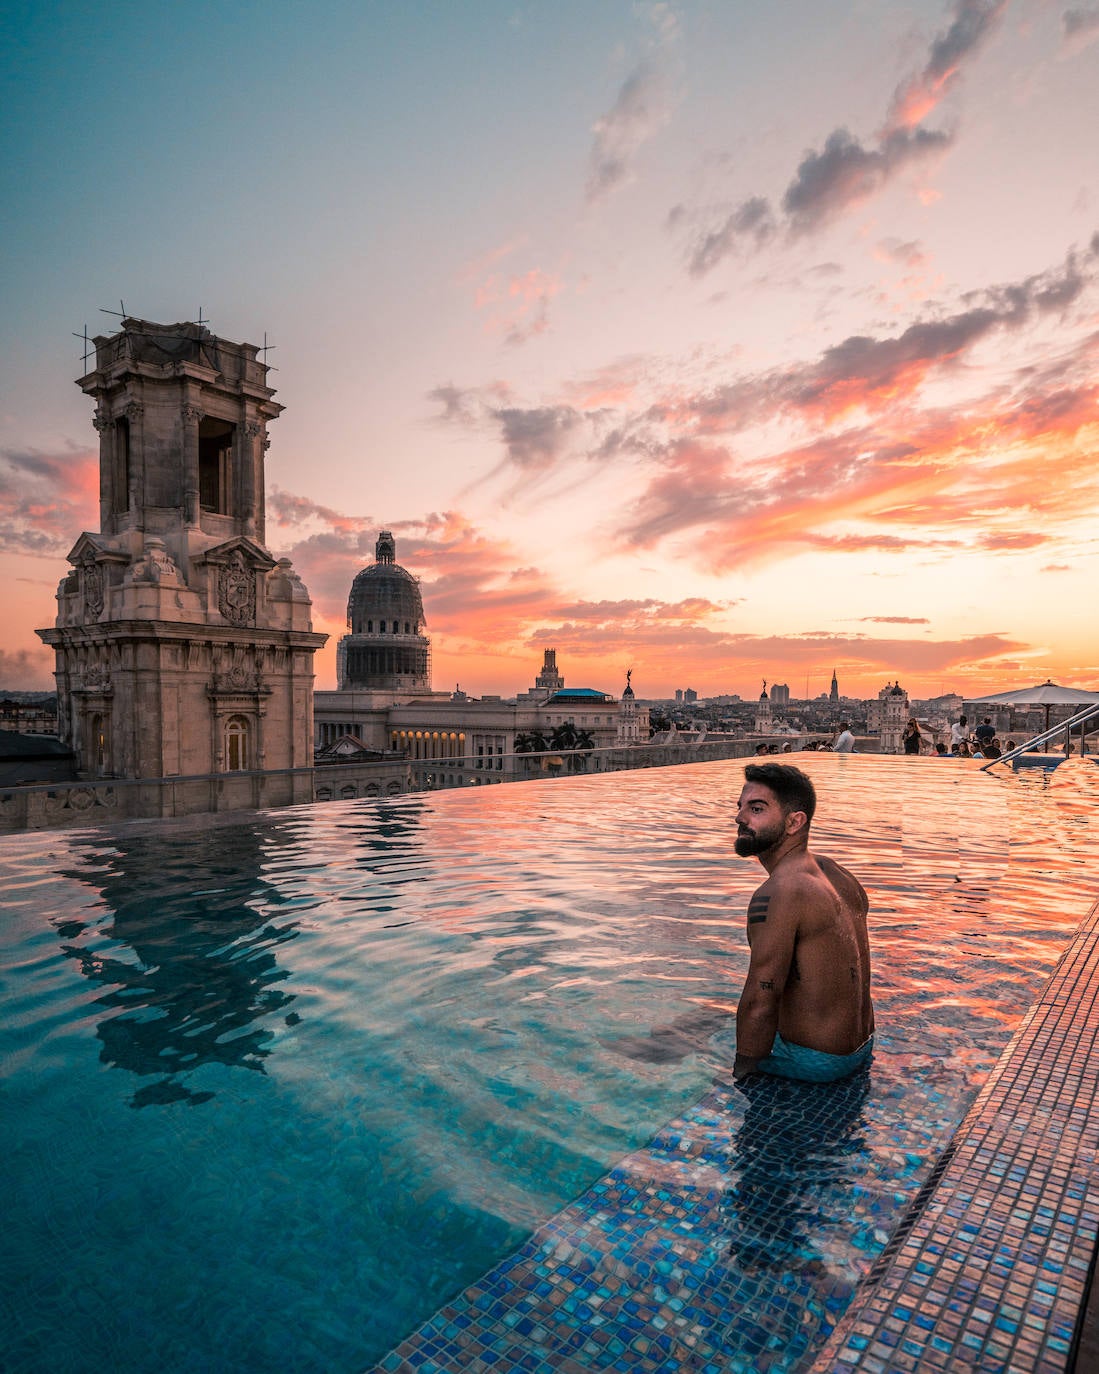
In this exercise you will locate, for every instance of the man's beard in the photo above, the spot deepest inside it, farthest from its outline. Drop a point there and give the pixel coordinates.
(749, 843)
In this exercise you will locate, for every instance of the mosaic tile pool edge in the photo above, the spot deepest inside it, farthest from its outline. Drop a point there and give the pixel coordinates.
(993, 1273)
(1008, 1217)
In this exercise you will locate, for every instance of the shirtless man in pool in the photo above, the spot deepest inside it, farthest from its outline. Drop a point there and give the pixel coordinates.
(805, 1011)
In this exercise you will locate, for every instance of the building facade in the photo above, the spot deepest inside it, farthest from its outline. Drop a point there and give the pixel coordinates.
(183, 646)
(888, 716)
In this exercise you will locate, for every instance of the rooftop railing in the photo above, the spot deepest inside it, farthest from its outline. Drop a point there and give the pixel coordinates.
(1064, 727)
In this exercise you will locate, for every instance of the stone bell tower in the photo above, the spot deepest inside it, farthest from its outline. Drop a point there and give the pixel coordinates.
(184, 647)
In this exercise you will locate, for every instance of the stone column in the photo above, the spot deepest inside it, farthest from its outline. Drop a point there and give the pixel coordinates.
(261, 489)
(249, 431)
(105, 427)
(190, 417)
(135, 493)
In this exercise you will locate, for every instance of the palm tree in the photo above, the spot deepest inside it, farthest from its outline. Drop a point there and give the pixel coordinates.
(564, 736)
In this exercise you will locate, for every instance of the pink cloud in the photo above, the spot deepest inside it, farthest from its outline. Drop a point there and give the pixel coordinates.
(46, 499)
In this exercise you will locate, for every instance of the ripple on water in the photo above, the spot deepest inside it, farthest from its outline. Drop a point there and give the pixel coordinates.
(360, 1049)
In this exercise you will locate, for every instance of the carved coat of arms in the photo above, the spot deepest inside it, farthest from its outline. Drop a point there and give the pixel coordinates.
(237, 592)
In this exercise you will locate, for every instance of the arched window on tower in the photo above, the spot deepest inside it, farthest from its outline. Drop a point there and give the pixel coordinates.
(237, 731)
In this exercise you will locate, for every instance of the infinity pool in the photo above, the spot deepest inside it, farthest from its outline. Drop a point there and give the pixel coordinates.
(276, 1087)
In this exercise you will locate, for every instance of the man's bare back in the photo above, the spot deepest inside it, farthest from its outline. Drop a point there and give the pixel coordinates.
(809, 976)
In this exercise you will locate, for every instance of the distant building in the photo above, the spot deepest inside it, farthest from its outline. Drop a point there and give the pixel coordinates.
(548, 680)
(780, 694)
(385, 704)
(633, 720)
(763, 720)
(183, 646)
(29, 717)
(386, 648)
(690, 696)
(887, 716)
(834, 690)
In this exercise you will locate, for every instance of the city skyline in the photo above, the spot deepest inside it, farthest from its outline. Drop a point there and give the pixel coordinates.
(715, 341)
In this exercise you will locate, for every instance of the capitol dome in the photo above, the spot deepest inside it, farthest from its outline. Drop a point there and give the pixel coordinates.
(386, 648)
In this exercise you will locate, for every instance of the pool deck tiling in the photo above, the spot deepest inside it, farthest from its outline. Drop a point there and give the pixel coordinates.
(659, 1267)
(663, 1267)
(993, 1272)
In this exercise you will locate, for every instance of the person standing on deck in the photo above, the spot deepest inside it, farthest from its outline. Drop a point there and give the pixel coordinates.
(844, 742)
(805, 1011)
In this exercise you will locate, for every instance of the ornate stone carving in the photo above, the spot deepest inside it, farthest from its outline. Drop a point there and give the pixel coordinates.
(237, 680)
(237, 591)
(157, 565)
(134, 410)
(96, 677)
(191, 413)
(253, 428)
(102, 421)
(91, 576)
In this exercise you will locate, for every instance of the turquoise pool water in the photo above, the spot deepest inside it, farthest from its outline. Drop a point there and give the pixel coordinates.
(277, 1086)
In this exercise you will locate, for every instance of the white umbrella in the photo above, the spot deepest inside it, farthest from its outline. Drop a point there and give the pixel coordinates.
(1045, 694)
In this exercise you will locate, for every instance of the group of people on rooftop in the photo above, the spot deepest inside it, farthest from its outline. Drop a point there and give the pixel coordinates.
(980, 743)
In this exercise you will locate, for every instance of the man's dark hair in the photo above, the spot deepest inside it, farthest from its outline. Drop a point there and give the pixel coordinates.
(793, 789)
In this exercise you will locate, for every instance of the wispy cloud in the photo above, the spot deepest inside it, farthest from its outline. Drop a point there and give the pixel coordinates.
(1079, 29)
(845, 452)
(641, 108)
(517, 306)
(920, 94)
(846, 171)
(46, 499)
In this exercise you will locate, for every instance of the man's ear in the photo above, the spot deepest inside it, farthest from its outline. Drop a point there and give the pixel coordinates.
(795, 821)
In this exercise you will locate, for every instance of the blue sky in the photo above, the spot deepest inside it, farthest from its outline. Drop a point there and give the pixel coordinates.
(717, 340)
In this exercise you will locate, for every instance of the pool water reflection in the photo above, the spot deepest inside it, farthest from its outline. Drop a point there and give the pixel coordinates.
(278, 1086)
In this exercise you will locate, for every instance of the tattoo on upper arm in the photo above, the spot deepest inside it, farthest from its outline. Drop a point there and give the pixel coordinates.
(766, 983)
(757, 910)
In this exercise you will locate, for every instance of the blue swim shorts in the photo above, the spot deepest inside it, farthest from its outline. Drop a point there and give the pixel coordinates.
(813, 1066)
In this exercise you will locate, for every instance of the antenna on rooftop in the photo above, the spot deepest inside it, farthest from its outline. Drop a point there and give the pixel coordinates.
(201, 321)
(268, 348)
(120, 312)
(87, 351)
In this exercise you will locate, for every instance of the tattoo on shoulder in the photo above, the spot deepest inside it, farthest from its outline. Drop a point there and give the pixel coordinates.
(766, 983)
(757, 909)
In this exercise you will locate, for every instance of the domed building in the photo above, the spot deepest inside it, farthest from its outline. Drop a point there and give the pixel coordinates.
(386, 649)
(384, 704)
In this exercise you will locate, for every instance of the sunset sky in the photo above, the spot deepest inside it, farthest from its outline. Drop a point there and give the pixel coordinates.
(720, 340)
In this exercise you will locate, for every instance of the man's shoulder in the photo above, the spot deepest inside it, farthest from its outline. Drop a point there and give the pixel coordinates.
(801, 878)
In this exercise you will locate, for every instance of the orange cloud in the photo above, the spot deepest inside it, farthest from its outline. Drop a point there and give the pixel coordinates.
(921, 94)
(46, 499)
